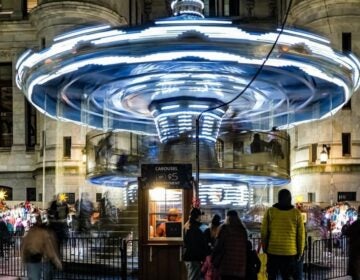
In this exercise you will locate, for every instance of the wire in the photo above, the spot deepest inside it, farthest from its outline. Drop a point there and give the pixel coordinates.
(232, 100)
(259, 69)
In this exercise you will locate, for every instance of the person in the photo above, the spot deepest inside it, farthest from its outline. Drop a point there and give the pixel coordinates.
(253, 263)
(353, 233)
(172, 216)
(257, 145)
(39, 252)
(229, 254)
(84, 211)
(195, 247)
(207, 268)
(57, 215)
(283, 237)
(4, 236)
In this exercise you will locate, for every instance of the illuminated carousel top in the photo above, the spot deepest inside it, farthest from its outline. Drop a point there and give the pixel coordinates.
(156, 79)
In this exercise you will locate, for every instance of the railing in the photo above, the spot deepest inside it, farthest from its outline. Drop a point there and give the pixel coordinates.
(327, 258)
(84, 257)
(96, 256)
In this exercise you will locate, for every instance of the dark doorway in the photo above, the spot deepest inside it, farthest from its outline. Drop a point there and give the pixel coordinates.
(31, 194)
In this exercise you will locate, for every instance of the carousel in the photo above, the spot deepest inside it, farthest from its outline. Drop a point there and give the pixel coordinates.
(158, 80)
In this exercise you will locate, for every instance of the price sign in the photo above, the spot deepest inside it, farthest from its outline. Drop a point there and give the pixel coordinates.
(166, 175)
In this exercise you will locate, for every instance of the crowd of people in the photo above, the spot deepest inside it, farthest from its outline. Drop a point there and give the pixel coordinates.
(42, 232)
(224, 251)
(221, 251)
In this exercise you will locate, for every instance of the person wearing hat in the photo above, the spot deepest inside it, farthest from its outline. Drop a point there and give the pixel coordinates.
(229, 254)
(172, 216)
(195, 245)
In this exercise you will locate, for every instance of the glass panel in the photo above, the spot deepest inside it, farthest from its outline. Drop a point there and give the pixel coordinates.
(165, 213)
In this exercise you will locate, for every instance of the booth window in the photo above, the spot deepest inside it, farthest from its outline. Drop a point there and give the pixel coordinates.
(165, 213)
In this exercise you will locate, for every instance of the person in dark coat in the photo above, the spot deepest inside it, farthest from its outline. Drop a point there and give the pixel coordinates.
(84, 209)
(195, 246)
(353, 232)
(208, 269)
(57, 215)
(229, 254)
(4, 236)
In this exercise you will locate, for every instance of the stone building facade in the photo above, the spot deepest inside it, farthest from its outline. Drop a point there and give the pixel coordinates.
(40, 157)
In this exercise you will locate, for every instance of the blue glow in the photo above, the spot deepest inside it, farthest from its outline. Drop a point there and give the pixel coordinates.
(131, 80)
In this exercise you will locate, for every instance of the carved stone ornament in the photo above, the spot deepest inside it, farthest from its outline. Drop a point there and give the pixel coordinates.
(6, 54)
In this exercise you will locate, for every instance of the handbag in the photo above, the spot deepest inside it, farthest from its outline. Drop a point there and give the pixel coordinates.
(262, 275)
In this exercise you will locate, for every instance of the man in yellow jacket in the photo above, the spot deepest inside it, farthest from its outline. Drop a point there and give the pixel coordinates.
(283, 237)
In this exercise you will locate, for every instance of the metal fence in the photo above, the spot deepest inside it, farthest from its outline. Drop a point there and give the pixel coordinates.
(102, 256)
(95, 256)
(326, 258)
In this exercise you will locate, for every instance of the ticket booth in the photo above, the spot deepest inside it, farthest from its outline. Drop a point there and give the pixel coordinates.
(165, 198)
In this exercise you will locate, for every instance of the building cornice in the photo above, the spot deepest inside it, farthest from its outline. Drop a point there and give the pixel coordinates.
(326, 168)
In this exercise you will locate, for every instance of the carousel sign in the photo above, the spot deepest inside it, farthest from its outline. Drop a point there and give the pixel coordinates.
(166, 175)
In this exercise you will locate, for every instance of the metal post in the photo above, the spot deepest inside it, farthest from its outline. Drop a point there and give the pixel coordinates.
(197, 179)
(309, 259)
(123, 256)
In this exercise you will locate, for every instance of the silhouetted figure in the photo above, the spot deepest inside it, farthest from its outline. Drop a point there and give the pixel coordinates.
(275, 148)
(353, 232)
(229, 254)
(104, 150)
(4, 236)
(84, 208)
(122, 160)
(57, 215)
(195, 247)
(208, 269)
(258, 145)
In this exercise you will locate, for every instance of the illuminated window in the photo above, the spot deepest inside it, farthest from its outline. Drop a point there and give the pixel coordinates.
(346, 196)
(165, 213)
(31, 4)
